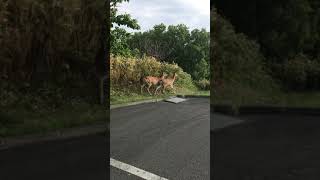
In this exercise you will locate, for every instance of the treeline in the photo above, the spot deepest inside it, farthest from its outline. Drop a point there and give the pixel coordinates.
(172, 44)
(57, 42)
(288, 34)
(238, 69)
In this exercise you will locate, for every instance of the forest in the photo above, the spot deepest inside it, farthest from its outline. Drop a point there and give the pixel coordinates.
(267, 47)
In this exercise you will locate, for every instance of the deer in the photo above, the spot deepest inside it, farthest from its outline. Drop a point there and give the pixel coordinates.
(151, 81)
(167, 82)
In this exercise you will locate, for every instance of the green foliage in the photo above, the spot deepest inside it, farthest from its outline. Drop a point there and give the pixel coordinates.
(237, 63)
(119, 41)
(300, 73)
(121, 19)
(235, 57)
(283, 29)
(42, 40)
(119, 36)
(125, 73)
(173, 44)
(203, 84)
(176, 44)
(201, 70)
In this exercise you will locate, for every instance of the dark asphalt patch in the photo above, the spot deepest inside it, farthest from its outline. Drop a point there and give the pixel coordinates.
(83, 158)
(275, 147)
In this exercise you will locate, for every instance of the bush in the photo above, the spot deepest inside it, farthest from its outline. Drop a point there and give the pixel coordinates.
(203, 84)
(300, 73)
(295, 72)
(235, 58)
(126, 72)
(238, 65)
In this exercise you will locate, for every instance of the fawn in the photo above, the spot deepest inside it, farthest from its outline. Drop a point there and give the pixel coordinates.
(151, 80)
(166, 83)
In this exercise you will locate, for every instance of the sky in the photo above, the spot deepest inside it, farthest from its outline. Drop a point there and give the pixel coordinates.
(193, 13)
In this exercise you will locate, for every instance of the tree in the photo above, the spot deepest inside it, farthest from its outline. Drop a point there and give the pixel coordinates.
(176, 44)
(284, 29)
(119, 36)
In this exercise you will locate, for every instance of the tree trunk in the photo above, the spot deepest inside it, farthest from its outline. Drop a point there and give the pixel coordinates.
(102, 59)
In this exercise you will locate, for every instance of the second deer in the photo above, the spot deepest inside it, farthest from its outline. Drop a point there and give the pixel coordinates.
(150, 81)
(166, 82)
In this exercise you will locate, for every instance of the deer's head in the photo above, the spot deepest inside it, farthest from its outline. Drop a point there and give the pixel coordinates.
(175, 75)
(163, 75)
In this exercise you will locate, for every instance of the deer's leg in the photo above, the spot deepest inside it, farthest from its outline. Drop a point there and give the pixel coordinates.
(164, 88)
(149, 88)
(155, 92)
(142, 88)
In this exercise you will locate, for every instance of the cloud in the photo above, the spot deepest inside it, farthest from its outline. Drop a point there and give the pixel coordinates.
(195, 14)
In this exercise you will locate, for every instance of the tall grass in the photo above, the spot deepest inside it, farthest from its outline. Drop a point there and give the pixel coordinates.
(125, 73)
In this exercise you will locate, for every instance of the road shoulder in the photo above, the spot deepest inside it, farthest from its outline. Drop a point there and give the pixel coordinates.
(10, 142)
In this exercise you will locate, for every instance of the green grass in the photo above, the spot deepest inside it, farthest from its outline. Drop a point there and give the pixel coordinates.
(200, 93)
(124, 96)
(260, 98)
(21, 121)
(311, 99)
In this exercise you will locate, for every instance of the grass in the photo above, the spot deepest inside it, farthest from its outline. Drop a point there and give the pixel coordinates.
(311, 99)
(21, 121)
(123, 98)
(276, 98)
(126, 96)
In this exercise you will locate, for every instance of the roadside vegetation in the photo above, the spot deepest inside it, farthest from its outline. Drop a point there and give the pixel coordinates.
(163, 49)
(51, 61)
(126, 74)
(255, 64)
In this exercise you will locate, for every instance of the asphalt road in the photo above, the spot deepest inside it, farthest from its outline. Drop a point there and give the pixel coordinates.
(169, 140)
(267, 147)
(83, 158)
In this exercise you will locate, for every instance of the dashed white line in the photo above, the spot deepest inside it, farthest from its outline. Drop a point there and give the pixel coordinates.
(135, 171)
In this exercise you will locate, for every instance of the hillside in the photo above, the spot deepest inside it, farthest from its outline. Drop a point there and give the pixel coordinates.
(125, 75)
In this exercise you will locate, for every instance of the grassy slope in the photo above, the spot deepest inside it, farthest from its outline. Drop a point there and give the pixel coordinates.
(302, 99)
(20, 121)
(311, 99)
(122, 97)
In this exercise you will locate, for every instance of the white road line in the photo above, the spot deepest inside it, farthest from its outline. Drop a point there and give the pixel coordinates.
(135, 171)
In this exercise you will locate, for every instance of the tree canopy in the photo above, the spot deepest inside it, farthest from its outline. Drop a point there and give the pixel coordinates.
(288, 32)
(173, 43)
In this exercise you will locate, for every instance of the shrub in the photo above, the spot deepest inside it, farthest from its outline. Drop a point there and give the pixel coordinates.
(238, 64)
(236, 58)
(300, 73)
(203, 84)
(126, 72)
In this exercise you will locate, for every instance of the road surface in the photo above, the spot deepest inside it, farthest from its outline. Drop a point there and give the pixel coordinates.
(83, 158)
(164, 140)
(269, 147)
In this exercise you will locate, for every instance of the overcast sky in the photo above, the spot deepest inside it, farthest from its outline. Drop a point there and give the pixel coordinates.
(193, 13)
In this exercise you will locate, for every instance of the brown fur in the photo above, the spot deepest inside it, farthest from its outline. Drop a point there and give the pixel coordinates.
(151, 81)
(167, 82)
